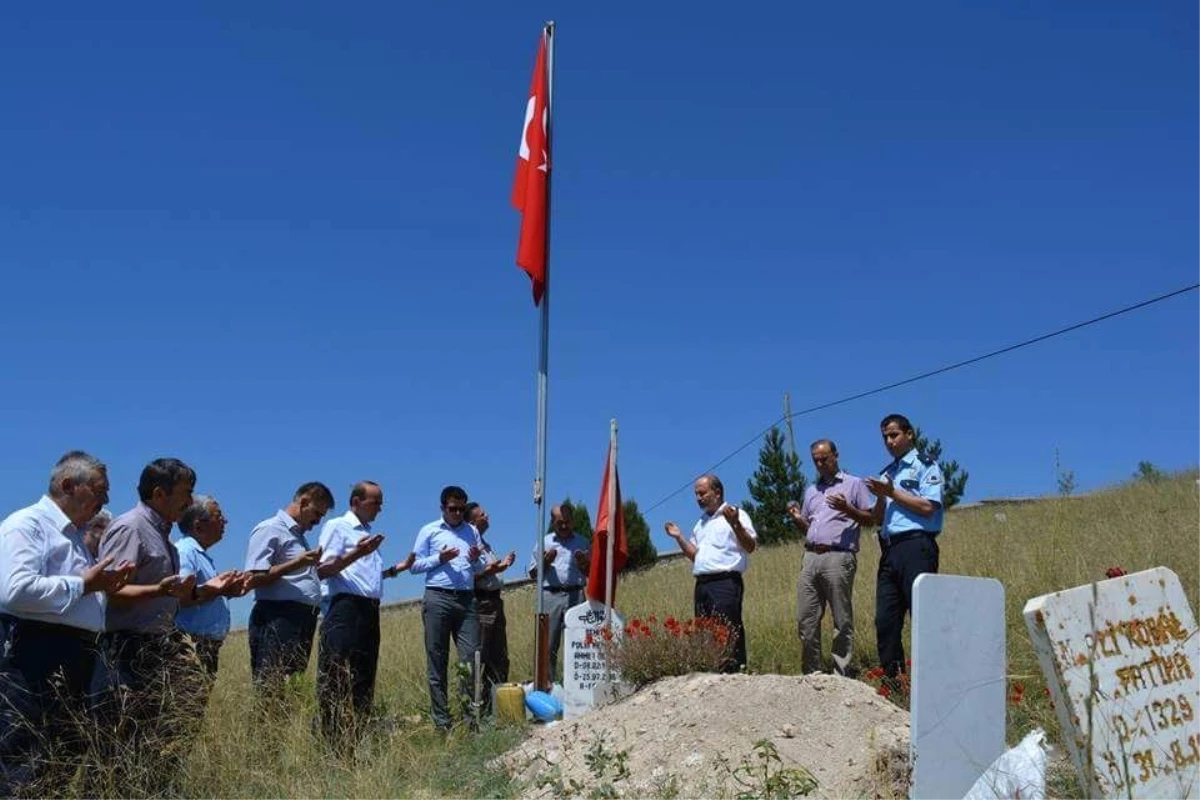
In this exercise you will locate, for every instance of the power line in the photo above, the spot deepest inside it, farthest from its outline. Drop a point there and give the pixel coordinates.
(932, 373)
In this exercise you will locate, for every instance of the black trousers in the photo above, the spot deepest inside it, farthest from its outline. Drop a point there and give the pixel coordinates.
(493, 642)
(720, 595)
(347, 658)
(45, 673)
(899, 566)
(281, 635)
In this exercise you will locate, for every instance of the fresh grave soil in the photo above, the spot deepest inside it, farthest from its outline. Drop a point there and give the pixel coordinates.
(688, 736)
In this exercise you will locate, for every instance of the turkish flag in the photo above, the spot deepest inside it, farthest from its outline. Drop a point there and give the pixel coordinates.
(529, 187)
(608, 520)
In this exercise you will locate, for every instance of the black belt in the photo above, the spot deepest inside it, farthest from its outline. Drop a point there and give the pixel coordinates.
(896, 538)
(455, 592)
(825, 548)
(562, 589)
(708, 577)
(53, 628)
(358, 599)
(292, 605)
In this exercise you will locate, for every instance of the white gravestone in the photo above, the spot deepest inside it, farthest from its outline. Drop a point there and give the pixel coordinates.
(1126, 650)
(583, 660)
(958, 682)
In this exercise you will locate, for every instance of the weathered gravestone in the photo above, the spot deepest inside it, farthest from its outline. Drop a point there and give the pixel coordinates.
(1120, 657)
(583, 659)
(958, 682)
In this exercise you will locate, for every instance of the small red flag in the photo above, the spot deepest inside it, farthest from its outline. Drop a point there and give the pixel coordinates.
(529, 186)
(604, 524)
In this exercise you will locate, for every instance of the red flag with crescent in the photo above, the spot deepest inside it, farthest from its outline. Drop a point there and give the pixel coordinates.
(529, 187)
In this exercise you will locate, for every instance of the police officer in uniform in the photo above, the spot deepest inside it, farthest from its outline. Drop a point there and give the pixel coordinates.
(908, 510)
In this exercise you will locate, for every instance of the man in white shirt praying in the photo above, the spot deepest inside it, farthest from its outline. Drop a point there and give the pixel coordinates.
(53, 595)
(719, 550)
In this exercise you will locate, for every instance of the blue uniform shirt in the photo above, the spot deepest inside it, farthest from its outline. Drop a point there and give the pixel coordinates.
(209, 619)
(922, 477)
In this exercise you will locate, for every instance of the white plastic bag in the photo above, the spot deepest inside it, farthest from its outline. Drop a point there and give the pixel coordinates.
(1019, 772)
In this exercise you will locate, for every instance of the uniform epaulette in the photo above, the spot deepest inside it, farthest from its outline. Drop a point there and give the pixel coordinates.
(926, 460)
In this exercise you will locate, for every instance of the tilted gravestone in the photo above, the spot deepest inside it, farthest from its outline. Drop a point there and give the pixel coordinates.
(1120, 657)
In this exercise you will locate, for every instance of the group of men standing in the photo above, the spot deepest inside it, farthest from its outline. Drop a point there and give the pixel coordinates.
(108, 619)
(904, 502)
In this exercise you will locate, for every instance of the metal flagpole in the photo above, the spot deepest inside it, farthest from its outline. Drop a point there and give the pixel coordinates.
(542, 669)
(609, 578)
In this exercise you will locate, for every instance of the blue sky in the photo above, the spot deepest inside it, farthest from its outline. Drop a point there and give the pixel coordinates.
(274, 240)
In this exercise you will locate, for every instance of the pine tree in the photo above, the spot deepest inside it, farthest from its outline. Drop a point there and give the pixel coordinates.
(954, 478)
(642, 552)
(777, 481)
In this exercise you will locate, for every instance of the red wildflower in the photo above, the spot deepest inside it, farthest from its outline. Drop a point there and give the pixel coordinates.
(606, 634)
(588, 641)
(883, 691)
(875, 674)
(1114, 572)
(651, 618)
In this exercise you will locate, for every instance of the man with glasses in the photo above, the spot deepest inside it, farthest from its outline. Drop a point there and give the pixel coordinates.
(53, 594)
(204, 615)
(448, 555)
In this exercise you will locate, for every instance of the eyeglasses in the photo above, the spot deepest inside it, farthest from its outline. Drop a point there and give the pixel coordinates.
(455, 509)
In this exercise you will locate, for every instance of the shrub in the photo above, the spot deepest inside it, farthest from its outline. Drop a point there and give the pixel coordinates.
(650, 650)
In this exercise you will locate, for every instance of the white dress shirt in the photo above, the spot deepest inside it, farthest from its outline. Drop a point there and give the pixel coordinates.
(364, 577)
(717, 547)
(42, 559)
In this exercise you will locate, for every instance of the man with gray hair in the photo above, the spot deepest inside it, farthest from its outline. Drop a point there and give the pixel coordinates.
(719, 549)
(831, 517)
(52, 601)
(204, 615)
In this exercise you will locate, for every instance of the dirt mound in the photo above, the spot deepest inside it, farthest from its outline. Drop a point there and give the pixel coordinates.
(688, 736)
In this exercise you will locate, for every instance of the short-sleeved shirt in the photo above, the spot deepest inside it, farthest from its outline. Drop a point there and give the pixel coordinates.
(492, 582)
(828, 526)
(915, 474)
(210, 619)
(43, 558)
(564, 572)
(276, 541)
(364, 577)
(140, 535)
(459, 572)
(717, 547)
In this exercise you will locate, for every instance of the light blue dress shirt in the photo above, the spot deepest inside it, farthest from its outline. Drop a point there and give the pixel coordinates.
(209, 619)
(42, 559)
(563, 572)
(457, 573)
(276, 541)
(911, 474)
(365, 576)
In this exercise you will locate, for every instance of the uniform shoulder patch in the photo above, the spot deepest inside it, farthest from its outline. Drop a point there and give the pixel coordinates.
(926, 460)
